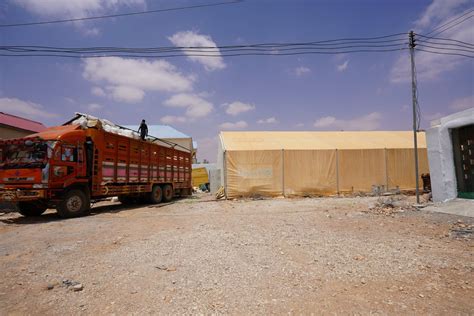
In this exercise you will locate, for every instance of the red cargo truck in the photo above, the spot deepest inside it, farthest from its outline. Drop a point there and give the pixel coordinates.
(66, 167)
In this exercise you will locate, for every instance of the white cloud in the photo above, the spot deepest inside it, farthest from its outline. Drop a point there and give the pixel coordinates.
(128, 79)
(193, 39)
(69, 9)
(300, 71)
(91, 31)
(98, 91)
(195, 105)
(299, 125)
(270, 120)
(437, 12)
(92, 107)
(126, 94)
(343, 66)
(238, 107)
(367, 122)
(431, 66)
(24, 108)
(236, 125)
(171, 119)
(463, 103)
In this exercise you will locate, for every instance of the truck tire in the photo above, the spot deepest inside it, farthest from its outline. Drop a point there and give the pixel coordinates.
(75, 203)
(156, 195)
(29, 209)
(168, 193)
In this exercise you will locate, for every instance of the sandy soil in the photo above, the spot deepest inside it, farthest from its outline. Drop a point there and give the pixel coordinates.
(322, 256)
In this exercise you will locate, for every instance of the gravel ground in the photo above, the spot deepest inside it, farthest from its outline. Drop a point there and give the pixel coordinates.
(323, 256)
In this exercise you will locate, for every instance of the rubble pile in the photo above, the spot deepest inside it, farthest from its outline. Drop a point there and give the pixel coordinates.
(390, 205)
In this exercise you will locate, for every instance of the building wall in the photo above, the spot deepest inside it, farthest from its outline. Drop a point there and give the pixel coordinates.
(7, 132)
(440, 154)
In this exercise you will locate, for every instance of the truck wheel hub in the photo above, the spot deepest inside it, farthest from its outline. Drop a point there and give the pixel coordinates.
(74, 203)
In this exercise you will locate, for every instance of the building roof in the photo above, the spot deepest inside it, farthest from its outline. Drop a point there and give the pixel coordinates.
(319, 140)
(161, 131)
(21, 123)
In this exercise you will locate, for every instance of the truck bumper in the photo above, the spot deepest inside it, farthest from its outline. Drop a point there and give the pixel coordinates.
(19, 195)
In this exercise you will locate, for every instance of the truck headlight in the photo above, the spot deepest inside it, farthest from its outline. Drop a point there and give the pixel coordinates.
(38, 186)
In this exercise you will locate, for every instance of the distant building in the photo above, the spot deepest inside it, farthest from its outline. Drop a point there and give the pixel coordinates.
(170, 134)
(12, 126)
(450, 142)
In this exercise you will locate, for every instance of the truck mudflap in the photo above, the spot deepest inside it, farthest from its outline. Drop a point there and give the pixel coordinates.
(19, 195)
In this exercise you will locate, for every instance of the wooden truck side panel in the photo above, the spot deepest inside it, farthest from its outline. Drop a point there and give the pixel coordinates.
(123, 165)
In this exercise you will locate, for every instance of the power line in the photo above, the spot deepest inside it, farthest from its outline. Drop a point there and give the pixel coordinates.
(215, 51)
(449, 22)
(446, 44)
(122, 14)
(437, 33)
(386, 41)
(446, 48)
(439, 53)
(445, 39)
(276, 53)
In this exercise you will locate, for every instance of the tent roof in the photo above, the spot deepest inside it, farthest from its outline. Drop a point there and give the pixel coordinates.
(319, 140)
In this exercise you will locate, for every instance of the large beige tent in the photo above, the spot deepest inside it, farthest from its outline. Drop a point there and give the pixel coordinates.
(318, 163)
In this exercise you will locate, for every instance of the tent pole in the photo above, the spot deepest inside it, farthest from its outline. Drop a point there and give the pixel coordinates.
(283, 172)
(337, 171)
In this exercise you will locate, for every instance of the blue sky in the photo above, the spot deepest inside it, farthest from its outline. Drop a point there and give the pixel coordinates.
(203, 96)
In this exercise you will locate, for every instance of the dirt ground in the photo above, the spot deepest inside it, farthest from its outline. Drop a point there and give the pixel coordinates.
(296, 256)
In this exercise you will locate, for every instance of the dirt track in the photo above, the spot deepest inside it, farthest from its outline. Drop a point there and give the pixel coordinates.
(239, 257)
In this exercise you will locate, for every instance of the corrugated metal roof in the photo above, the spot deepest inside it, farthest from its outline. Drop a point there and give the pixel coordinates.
(320, 140)
(161, 131)
(21, 123)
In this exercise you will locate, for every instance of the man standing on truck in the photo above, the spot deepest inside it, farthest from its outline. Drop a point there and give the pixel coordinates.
(143, 130)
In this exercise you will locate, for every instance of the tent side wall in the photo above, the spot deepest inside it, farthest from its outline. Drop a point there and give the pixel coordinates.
(401, 167)
(220, 162)
(254, 172)
(310, 172)
(318, 172)
(359, 169)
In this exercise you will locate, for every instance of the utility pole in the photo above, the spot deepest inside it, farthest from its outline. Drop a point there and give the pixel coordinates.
(412, 45)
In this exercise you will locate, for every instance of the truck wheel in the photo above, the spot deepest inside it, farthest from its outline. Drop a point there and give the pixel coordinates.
(155, 195)
(74, 204)
(168, 193)
(29, 209)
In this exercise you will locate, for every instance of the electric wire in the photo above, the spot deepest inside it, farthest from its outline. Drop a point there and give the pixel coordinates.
(447, 48)
(450, 21)
(448, 28)
(207, 55)
(444, 53)
(445, 39)
(121, 14)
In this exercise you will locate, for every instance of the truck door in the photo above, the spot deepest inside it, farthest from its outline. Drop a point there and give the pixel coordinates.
(68, 163)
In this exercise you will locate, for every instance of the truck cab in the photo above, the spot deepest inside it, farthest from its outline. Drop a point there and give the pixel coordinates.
(39, 171)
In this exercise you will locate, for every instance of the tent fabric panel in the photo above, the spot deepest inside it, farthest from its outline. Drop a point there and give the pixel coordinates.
(251, 173)
(401, 168)
(360, 169)
(276, 140)
(310, 172)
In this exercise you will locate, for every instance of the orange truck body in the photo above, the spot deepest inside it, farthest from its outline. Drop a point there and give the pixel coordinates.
(38, 171)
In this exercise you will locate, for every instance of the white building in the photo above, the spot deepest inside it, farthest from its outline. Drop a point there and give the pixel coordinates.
(450, 142)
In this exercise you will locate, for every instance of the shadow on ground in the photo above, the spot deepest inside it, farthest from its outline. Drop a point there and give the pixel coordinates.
(52, 216)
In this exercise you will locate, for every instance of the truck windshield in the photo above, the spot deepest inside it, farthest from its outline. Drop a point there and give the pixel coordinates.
(24, 155)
